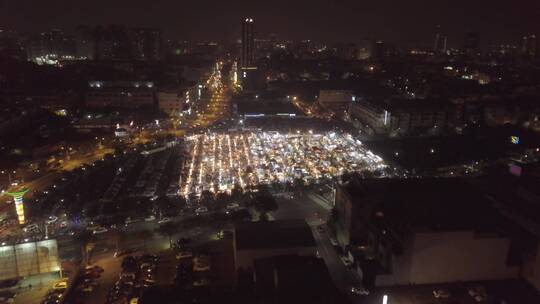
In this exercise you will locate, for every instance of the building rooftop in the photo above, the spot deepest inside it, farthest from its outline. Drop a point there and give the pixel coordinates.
(273, 235)
(267, 108)
(428, 204)
(295, 279)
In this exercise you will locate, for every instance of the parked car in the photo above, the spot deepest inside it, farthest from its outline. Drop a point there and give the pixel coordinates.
(441, 294)
(346, 261)
(201, 209)
(359, 291)
(479, 294)
(184, 254)
(60, 285)
(164, 220)
(100, 230)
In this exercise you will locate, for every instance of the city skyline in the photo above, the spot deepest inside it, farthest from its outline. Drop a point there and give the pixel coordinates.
(412, 22)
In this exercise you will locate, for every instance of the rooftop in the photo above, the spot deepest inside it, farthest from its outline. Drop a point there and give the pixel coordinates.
(428, 204)
(273, 235)
(267, 108)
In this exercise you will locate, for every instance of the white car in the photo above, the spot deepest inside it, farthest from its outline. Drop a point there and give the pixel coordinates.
(164, 220)
(346, 261)
(201, 210)
(479, 294)
(150, 218)
(31, 228)
(441, 294)
(186, 254)
(51, 220)
(359, 291)
(99, 230)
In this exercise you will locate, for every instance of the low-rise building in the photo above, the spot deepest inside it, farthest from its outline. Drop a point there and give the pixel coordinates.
(121, 94)
(172, 102)
(257, 240)
(404, 116)
(337, 100)
(294, 279)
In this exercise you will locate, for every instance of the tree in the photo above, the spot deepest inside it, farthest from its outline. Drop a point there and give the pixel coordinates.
(168, 229)
(299, 184)
(144, 235)
(85, 239)
(236, 192)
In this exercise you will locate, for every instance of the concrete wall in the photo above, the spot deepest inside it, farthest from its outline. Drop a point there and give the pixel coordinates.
(437, 257)
(531, 269)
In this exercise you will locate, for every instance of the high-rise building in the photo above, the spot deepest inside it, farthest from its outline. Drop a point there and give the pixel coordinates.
(85, 41)
(440, 43)
(529, 47)
(471, 45)
(248, 44)
(146, 44)
(51, 45)
(113, 43)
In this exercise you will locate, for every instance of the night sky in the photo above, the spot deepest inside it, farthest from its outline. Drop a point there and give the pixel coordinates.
(401, 21)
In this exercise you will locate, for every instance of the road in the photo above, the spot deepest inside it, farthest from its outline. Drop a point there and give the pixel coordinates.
(316, 214)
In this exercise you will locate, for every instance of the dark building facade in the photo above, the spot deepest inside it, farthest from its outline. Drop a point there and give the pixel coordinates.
(146, 44)
(53, 44)
(247, 58)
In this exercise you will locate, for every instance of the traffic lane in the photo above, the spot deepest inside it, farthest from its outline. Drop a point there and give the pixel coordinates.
(341, 274)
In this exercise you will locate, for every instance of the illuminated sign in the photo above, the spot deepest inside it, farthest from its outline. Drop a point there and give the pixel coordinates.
(515, 139)
(19, 205)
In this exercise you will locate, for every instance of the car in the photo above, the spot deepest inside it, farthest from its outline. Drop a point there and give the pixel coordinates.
(123, 252)
(164, 220)
(346, 261)
(128, 276)
(441, 294)
(131, 221)
(201, 282)
(150, 218)
(51, 220)
(31, 228)
(92, 226)
(93, 268)
(201, 209)
(224, 234)
(7, 296)
(232, 206)
(184, 254)
(479, 294)
(100, 230)
(359, 291)
(85, 288)
(147, 267)
(201, 263)
(90, 282)
(60, 285)
(148, 258)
